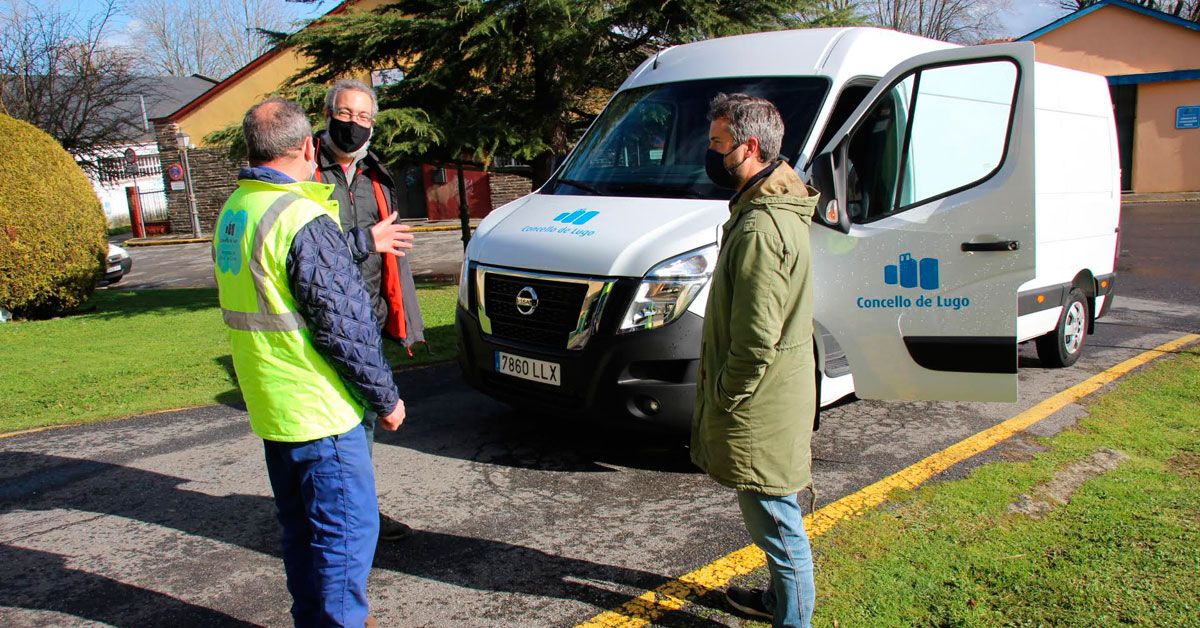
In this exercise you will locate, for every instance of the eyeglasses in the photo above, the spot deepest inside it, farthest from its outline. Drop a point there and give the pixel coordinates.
(345, 115)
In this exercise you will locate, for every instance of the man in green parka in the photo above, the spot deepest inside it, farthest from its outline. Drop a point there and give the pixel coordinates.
(756, 396)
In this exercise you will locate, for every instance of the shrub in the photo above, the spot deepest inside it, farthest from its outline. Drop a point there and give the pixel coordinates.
(52, 230)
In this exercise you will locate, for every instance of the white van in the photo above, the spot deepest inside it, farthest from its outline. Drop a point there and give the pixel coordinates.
(970, 201)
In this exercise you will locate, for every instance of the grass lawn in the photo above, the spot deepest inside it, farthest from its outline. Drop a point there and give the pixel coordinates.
(1124, 549)
(129, 353)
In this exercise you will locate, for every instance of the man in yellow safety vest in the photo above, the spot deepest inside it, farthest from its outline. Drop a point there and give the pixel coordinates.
(309, 360)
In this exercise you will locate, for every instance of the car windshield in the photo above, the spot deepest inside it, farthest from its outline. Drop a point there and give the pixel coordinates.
(650, 141)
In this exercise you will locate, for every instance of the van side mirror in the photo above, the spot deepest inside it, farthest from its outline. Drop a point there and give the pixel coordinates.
(829, 178)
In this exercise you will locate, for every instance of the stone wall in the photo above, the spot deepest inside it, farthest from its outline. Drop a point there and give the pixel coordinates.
(508, 187)
(214, 177)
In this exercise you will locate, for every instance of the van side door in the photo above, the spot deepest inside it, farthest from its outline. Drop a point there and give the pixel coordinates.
(927, 205)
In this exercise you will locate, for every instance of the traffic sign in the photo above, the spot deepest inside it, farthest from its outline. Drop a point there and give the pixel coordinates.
(175, 172)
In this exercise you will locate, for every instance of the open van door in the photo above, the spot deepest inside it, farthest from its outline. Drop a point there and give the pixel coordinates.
(928, 206)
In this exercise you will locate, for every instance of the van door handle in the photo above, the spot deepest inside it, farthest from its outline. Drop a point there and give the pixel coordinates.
(1003, 245)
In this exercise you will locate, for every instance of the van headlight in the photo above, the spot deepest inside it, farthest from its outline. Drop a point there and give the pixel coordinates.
(464, 284)
(668, 289)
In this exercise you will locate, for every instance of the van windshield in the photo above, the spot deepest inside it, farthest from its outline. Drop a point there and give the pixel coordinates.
(650, 141)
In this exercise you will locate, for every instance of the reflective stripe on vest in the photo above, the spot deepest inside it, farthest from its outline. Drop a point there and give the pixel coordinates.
(264, 319)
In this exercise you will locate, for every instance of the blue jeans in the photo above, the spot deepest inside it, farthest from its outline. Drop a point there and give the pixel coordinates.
(325, 496)
(776, 525)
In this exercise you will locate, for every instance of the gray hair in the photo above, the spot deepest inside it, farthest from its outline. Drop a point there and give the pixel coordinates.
(350, 85)
(750, 116)
(273, 128)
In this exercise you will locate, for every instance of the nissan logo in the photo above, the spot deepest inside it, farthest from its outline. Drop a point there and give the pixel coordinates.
(527, 300)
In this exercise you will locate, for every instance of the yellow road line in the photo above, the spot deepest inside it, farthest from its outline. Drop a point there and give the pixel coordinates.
(674, 595)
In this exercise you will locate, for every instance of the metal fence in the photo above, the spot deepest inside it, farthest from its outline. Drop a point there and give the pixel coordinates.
(117, 169)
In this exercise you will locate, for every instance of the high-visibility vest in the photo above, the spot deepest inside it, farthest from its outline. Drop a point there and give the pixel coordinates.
(291, 391)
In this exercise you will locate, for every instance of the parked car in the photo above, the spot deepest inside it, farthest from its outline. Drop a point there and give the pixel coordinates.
(116, 264)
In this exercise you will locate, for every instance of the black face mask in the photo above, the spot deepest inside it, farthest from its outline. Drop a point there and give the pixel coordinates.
(348, 136)
(714, 166)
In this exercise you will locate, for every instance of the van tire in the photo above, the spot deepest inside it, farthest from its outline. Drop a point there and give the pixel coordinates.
(1062, 347)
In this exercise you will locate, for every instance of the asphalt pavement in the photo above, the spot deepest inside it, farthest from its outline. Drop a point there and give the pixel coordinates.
(167, 519)
(435, 256)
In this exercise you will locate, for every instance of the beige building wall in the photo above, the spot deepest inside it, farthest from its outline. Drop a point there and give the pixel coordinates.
(1113, 41)
(1165, 159)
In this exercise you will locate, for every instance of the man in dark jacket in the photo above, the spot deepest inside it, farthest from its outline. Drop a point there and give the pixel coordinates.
(360, 184)
(756, 395)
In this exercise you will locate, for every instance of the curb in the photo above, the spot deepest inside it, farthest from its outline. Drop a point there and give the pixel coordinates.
(439, 228)
(135, 242)
(1176, 197)
(437, 278)
(142, 242)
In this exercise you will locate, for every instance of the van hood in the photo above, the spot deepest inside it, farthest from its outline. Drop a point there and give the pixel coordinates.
(596, 236)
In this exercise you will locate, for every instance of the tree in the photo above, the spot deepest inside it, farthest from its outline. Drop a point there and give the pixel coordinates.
(521, 78)
(959, 21)
(1186, 9)
(57, 73)
(212, 38)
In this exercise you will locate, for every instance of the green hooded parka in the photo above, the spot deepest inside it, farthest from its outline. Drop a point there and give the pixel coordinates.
(756, 394)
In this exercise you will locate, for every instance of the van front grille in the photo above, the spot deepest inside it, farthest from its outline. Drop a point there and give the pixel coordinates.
(556, 316)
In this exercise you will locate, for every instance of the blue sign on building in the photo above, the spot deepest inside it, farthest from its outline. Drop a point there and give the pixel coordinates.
(1187, 117)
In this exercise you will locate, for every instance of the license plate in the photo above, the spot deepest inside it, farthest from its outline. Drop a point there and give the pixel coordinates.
(527, 368)
(114, 268)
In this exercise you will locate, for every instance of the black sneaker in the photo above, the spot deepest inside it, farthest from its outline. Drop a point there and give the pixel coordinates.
(748, 601)
(391, 530)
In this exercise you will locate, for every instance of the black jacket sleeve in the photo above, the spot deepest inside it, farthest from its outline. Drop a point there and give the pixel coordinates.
(333, 301)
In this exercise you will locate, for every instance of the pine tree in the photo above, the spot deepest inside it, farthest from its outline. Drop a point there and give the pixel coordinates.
(522, 78)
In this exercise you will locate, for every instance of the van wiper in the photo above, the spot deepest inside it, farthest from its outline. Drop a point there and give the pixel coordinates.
(586, 187)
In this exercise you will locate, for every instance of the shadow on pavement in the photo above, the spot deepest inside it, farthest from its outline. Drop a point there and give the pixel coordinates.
(26, 574)
(443, 411)
(39, 580)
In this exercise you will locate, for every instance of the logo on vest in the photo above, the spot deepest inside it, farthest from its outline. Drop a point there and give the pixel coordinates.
(230, 232)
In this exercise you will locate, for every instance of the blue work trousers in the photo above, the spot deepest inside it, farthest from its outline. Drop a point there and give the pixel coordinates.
(776, 525)
(325, 496)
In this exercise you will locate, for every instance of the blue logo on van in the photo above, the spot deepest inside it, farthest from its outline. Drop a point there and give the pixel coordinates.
(911, 273)
(577, 217)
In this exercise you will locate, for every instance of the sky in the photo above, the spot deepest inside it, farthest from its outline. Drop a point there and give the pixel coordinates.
(1022, 17)
(121, 22)
(1025, 16)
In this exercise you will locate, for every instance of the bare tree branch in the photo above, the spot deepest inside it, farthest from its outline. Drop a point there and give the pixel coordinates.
(58, 73)
(213, 38)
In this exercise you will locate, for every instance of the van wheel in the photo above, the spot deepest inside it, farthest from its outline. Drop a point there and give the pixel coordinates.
(1062, 346)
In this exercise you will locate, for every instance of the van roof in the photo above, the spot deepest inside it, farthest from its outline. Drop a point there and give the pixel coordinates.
(837, 53)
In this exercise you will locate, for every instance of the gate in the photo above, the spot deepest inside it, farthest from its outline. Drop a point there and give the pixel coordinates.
(154, 205)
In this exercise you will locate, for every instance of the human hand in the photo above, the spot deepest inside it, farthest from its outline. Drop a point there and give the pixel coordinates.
(393, 420)
(390, 237)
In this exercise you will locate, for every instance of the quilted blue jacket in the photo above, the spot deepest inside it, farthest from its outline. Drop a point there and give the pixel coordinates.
(330, 295)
